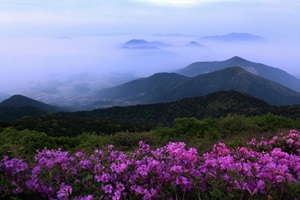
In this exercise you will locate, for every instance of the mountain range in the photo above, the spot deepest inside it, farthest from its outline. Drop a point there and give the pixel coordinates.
(167, 87)
(268, 72)
(263, 82)
(234, 37)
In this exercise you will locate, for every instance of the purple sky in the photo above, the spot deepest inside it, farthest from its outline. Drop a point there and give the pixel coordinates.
(41, 40)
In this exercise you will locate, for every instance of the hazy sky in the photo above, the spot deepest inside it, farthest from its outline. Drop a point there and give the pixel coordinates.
(40, 39)
(43, 17)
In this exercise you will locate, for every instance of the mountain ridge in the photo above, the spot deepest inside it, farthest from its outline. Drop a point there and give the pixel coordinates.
(167, 87)
(214, 105)
(271, 73)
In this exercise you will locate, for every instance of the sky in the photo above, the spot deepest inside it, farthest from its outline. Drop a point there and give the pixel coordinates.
(43, 41)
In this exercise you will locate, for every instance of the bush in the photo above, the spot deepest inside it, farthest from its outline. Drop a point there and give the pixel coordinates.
(272, 122)
(235, 124)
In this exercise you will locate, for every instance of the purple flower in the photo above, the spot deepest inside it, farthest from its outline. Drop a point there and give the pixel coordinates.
(176, 168)
(104, 178)
(85, 164)
(120, 186)
(108, 188)
(18, 190)
(64, 192)
(261, 185)
(117, 195)
(89, 197)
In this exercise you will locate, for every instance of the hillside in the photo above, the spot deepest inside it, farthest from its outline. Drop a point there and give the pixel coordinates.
(271, 73)
(214, 105)
(19, 106)
(148, 117)
(13, 113)
(153, 89)
(167, 87)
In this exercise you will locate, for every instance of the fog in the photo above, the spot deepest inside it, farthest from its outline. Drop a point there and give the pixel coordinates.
(66, 70)
(63, 52)
(39, 60)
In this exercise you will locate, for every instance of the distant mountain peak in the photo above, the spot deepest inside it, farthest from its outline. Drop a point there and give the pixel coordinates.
(18, 101)
(237, 58)
(194, 44)
(268, 72)
(136, 42)
(234, 37)
(143, 43)
(167, 87)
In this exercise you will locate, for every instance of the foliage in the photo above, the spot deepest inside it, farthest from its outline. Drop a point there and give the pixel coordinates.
(61, 125)
(169, 172)
(233, 124)
(26, 142)
(271, 122)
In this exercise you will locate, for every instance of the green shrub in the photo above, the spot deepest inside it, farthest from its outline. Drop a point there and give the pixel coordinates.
(272, 122)
(92, 141)
(234, 124)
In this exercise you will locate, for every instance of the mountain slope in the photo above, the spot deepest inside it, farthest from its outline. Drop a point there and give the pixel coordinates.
(271, 73)
(145, 90)
(19, 101)
(238, 79)
(216, 104)
(165, 87)
(13, 113)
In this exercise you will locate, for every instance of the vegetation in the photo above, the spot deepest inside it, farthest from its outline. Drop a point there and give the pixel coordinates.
(29, 134)
(63, 146)
(261, 169)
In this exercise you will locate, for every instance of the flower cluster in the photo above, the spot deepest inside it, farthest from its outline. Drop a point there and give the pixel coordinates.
(289, 143)
(169, 172)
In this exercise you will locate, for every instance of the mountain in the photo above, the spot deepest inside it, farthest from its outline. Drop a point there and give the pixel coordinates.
(141, 43)
(194, 44)
(144, 90)
(271, 73)
(19, 101)
(142, 118)
(214, 105)
(234, 37)
(141, 47)
(167, 87)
